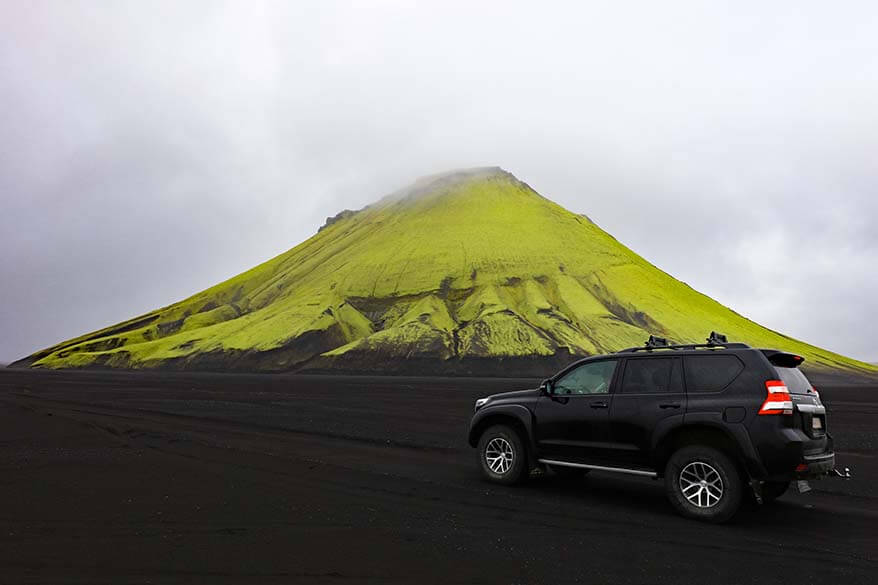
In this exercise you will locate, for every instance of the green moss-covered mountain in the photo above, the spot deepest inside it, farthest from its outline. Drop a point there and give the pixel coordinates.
(471, 271)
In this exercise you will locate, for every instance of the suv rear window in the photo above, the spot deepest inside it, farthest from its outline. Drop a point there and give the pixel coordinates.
(711, 373)
(795, 380)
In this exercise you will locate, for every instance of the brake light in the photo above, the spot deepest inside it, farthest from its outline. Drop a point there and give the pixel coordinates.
(778, 400)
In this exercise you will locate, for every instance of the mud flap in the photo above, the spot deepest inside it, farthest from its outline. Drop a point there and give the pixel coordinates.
(756, 486)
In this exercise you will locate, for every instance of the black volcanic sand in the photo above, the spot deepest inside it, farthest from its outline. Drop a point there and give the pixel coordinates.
(184, 478)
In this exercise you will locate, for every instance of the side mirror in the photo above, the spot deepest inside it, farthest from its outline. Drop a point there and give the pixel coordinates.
(546, 387)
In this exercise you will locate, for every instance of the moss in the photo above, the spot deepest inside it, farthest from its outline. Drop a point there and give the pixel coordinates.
(468, 266)
(503, 334)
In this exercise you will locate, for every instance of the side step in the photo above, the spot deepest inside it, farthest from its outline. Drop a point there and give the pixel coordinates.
(599, 467)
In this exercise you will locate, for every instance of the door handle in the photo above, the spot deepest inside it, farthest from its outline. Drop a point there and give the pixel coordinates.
(598, 404)
(670, 405)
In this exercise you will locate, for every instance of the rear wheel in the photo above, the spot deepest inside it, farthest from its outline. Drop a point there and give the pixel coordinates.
(703, 483)
(502, 457)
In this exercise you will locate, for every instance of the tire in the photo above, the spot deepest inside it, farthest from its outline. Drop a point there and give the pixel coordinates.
(704, 484)
(504, 442)
(568, 473)
(772, 490)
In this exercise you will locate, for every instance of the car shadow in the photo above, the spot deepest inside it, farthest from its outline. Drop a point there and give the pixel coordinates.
(626, 495)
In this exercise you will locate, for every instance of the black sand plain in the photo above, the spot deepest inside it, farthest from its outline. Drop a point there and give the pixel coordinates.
(119, 477)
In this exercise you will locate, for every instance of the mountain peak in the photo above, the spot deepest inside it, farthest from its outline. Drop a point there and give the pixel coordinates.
(448, 180)
(435, 184)
(454, 176)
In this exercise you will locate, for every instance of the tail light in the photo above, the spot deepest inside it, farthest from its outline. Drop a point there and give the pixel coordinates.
(778, 400)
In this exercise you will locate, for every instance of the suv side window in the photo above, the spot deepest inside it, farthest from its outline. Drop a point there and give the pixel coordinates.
(591, 378)
(711, 373)
(652, 375)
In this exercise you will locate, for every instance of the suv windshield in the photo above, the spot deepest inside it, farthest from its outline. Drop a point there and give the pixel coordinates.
(795, 380)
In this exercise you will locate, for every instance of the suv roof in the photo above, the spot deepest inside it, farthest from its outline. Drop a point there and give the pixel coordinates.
(659, 346)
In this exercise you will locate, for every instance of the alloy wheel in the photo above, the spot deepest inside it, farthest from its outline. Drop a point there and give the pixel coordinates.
(499, 455)
(701, 484)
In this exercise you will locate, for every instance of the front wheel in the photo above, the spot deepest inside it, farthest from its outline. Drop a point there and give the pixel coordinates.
(502, 456)
(703, 483)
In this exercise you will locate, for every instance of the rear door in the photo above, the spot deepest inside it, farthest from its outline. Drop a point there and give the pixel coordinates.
(650, 395)
(572, 423)
(809, 414)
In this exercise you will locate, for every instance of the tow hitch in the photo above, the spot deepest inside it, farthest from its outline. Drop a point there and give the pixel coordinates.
(804, 487)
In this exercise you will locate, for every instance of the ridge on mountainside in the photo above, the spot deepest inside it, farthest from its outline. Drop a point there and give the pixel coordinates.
(470, 271)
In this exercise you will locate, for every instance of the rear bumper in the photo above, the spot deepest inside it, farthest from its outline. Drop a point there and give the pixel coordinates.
(808, 467)
(816, 466)
(793, 455)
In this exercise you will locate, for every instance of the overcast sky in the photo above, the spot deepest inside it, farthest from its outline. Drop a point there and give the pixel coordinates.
(149, 150)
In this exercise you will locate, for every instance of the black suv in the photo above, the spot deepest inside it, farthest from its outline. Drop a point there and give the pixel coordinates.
(718, 421)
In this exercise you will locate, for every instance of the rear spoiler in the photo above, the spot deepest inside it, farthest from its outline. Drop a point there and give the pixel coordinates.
(783, 359)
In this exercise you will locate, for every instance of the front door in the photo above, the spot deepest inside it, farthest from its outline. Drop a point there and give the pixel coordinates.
(572, 422)
(649, 395)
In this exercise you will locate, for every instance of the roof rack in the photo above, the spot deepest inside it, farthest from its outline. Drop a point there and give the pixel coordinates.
(716, 340)
(656, 342)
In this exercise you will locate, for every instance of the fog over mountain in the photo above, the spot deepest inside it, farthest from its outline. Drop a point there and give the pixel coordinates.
(150, 150)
